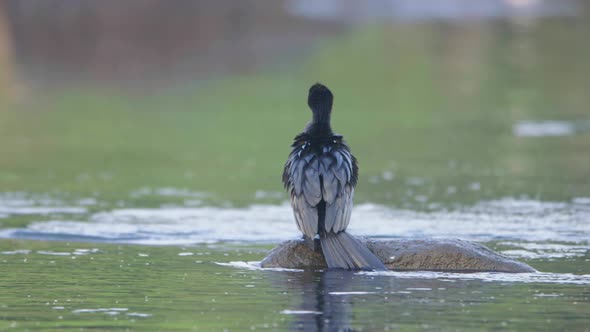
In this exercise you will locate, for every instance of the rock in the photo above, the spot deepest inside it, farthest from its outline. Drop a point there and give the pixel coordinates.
(444, 255)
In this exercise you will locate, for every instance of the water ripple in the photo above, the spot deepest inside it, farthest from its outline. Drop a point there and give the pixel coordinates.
(506, 219)
(535, 277)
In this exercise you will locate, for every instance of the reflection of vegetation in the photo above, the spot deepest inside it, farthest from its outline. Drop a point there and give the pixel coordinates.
(396, 102)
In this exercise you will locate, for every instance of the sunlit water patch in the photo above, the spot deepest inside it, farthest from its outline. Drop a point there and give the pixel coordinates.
(506, 219)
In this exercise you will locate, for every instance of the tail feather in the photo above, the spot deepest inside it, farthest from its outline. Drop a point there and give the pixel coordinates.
(344, 251)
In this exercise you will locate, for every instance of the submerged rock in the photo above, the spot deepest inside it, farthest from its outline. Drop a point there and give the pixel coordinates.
(447, 255)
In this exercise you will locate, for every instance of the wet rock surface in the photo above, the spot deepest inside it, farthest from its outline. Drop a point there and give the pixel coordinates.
(445, 255)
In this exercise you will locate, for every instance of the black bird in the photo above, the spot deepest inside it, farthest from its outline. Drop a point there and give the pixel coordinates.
(320, 176)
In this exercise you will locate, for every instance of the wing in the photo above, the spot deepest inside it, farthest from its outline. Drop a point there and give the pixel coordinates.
(302, 179)
(339, 170)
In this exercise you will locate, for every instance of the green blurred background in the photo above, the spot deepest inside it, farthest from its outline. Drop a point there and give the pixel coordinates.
(103, 98)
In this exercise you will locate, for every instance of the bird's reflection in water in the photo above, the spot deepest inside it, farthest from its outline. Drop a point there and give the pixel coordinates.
(324, 300)
(318, 301)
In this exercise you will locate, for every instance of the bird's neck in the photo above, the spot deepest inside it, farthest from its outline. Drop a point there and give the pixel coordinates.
(319, 129)
(320, 122)
(321, 116)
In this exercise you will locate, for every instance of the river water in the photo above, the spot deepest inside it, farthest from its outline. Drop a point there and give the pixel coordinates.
(196, 267)
(133, 213)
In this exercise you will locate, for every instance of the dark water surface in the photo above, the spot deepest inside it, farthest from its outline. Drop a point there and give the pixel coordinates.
(150, 212)
(47, 286)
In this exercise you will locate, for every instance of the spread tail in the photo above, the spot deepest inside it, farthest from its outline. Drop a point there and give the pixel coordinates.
(344, 251)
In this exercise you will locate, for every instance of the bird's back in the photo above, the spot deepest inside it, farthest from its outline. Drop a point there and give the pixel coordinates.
(320, 176)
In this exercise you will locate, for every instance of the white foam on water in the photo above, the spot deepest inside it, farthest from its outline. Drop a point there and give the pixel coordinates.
(138, 314)
(16, 252)
(255, 266)
(53, 253)
(547, 246)
(171, 225)
(544, 250)
(17, 203)
(300, 312)
(40, 210)
(105, 310)
(505, 219)
(76, 252)
(351, 293)
(521, 254)
(261, 194)
(581, 200)
(168, 191)
(543, 128)
(535, 277)
(81, 252)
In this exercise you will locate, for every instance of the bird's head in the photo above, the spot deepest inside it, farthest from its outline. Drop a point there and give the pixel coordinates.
(320, 101)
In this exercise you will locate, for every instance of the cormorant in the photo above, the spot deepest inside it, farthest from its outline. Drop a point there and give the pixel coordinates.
(320, 175)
